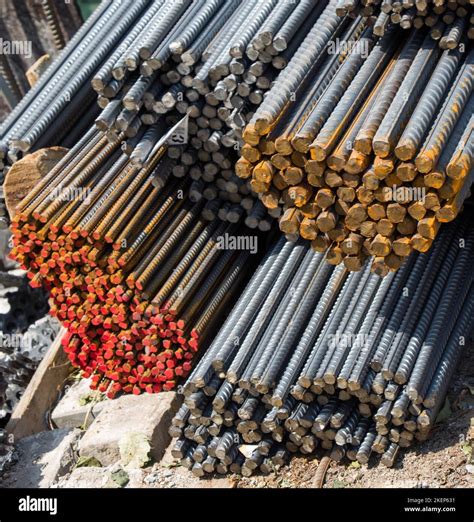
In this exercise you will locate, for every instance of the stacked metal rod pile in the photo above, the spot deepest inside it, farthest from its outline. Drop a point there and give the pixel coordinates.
(315, 356)
(448, 20)
(61, 105)
(135, 274)
(212, 63)
(376, 151)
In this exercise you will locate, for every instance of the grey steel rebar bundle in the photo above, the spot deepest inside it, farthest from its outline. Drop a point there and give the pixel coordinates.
(316, 356)
(448, 20)
(207, 65)
(14, 61)
(59, 108)
(374, 153)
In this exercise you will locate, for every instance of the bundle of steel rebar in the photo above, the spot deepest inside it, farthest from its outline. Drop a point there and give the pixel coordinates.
(208, 64)
(315, 356)
(61, 105)
(135, 273)
(373, 152)
(449, 20)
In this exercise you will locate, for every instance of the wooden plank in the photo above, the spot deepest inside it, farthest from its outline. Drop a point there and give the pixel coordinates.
(29, 416)
(34, 72)
(27, 172)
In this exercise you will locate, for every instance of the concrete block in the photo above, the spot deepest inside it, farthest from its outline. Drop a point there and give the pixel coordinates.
(72, 411)
(96, 478)
(100, 478)
(131, 417)
(43, 459)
